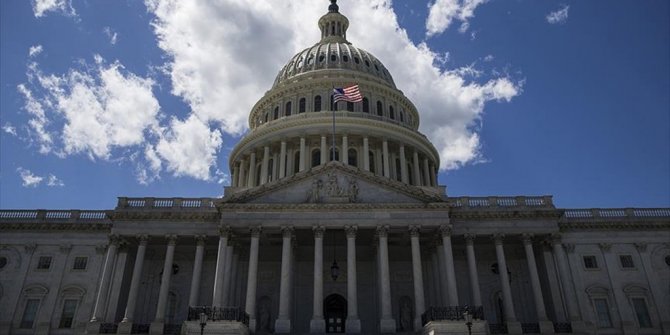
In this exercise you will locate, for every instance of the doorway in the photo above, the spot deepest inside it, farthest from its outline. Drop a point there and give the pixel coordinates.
(335, 313)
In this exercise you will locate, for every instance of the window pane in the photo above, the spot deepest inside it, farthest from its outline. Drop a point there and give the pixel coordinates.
(642, 312)
(626, 261)
(590, 262)
(69, 308)
(29, 313)
(44, 263)
(80, 263)
(603, 312)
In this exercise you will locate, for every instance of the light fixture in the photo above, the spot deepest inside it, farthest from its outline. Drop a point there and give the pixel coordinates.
(203, 323)
(468, 319)
(334, 269)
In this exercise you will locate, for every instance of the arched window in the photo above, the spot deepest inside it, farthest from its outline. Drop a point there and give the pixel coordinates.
(316, 157)
(398, 175)
(267, 115)
(371, 161)
(287, 111)
(391, 113)
(271, 169)
(410, 174)
(296, 162)
(366, 105)
(276, 113)
(380, 110)
(402, 116)
(301, 106)
(337, 154)
(317, 103)
(258, 174)
(350, 106)
(353, 157)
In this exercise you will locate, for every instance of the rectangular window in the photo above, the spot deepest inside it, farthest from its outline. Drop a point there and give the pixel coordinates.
(626, 261)
(66, 318)
(641, 312)
(44, 263)
(80, 263)
(29, 313)
(603, 312)
(590, 262)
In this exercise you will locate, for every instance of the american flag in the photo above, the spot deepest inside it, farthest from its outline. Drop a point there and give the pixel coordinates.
(349, 93)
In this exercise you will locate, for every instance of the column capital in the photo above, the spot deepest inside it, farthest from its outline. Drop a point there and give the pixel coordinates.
(286, 231)
(171, 238)
(554, 238)
(527, 238)
(318, 231)
(382, 230)
(351, 230)
(569, 247)
(605, 247)
(142, 239)
(255, 231)
(446, 229)
(470, 238)
(415, 230)
(114, 239)
(200, 239)
(498, 238)
(641, 246)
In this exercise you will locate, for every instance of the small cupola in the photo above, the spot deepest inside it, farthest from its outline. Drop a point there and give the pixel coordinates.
(333, 25)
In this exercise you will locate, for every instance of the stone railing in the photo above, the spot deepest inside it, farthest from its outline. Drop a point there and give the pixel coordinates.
(616, 213)
(164, 203)
(451, 313)
(219, 314)
(40, 215)
(502, 202)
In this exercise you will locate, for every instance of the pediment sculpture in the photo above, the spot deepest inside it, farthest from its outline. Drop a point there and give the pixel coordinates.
(330, 191)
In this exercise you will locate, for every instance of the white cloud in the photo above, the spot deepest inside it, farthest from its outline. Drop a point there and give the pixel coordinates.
(558, 16)
(41, 7)
(443, 12)
(39, 122)
(489, 58)
(227, 53)
(9, 129)
(112, 35)
(53, 181)
(28, 178)
(35, 50)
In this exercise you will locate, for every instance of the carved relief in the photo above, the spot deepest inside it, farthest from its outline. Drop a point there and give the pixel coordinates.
(331, 191)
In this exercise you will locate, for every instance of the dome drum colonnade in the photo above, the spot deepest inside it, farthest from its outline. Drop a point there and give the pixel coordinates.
(291, 127)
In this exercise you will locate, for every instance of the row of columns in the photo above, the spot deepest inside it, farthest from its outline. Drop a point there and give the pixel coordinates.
(317, 324)
(244, 172)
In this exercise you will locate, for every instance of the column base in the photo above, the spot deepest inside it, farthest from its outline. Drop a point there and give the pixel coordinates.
(546, 327)
(125, 327)
(514, 327)
(317, 326)
(387, 326)
(282, 326)
(252, 325)
(156, 328)
(93, 327)
(417, 324)
(353, 326)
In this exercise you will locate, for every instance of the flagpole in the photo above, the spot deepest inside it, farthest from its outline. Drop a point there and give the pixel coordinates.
(332, 108)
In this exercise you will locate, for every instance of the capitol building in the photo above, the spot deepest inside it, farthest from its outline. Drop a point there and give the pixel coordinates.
(334, 222)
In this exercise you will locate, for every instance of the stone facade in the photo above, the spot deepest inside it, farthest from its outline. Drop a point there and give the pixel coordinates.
(324, 231)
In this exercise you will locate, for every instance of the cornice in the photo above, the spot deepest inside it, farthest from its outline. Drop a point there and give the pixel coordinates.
(511, 213)
(353, 207)
(55, 226)
(164, 215)
(614, 225)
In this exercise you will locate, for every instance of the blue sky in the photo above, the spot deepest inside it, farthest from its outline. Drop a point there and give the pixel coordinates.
(100, 99)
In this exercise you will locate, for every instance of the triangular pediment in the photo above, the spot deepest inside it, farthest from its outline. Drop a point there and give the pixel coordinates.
(334, 183)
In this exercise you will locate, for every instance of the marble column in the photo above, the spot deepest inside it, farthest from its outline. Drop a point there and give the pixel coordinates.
(282, 159)
(101, 299)
(234, 270)
(387, 323)
(353, 323)
(224, 234)
(252, 170)
(240, 177)
(264, 168)
(426, 173)
(225, 298)
(452, 290)
(197, 270)
(159, 320)
(403, 165)
(546, 326)
(283, 322)
(417, 170)
(324, 150)
(569, 294)
(417, 275)
(472, 269)
(435, 267)
(345, 150)
(366, 154)
(433, 178)
(318, 324)
(250, 306)
(235, 176)
(442, 273)
(513, 326)
(125, 327)
(303, 154)
(385, 158)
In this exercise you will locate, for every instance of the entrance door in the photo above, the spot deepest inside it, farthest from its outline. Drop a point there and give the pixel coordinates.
(335, 313)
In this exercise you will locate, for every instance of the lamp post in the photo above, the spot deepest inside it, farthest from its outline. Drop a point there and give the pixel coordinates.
(468, 319)
(203, 323)
(334, 269)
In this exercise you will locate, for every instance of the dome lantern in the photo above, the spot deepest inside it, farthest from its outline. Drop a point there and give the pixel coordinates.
(333, 25)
